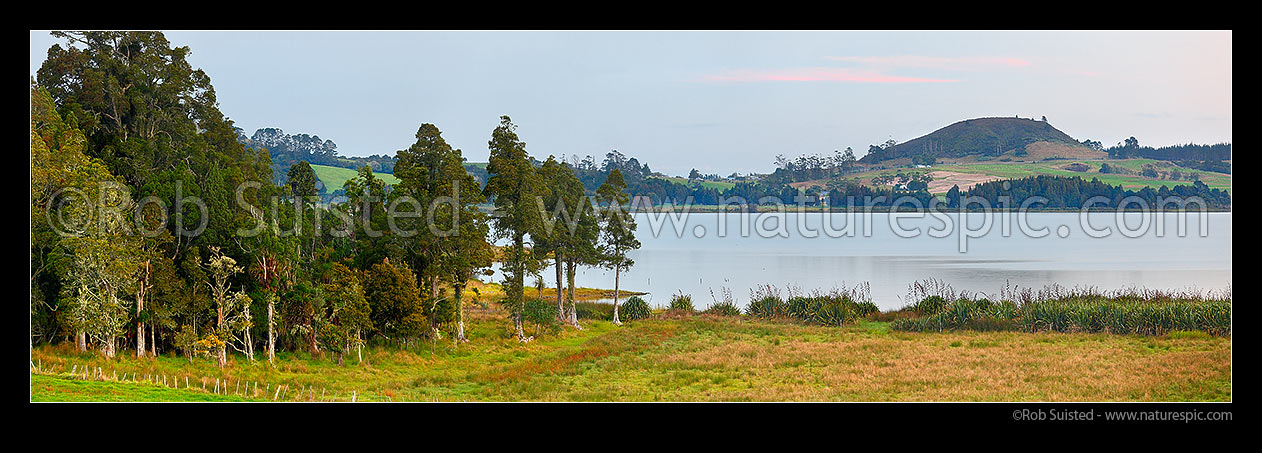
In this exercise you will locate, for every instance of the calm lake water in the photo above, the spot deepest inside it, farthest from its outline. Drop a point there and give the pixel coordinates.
(704, 252)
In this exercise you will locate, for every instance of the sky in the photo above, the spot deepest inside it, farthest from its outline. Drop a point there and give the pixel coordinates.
(718, 101)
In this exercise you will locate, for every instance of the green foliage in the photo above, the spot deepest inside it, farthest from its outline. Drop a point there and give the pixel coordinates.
(397, 310)
(929, 305)
(302, 180)
(766, 307)
(348, 314)
(543, 314)
(513, 187)
(617, 226)
(682, 302)
(1153, 313)
(635, 308)
(725, 307)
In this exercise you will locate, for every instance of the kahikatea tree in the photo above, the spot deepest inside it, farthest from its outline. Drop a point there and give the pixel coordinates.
(449, 239)
(617, 232)
(513, 186)
(569, 230)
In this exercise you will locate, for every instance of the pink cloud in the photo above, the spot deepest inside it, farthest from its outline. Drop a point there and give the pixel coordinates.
(816, 75)
(918, 61)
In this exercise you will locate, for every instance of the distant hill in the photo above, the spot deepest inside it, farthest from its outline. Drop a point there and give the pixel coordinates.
(974, 137)
(288, 149)
(332, 178)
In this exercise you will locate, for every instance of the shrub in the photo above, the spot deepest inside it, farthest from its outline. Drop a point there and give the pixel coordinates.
(765, 302)
(864, 309)
(800, 308)
(724, 308)
(929, 305)
(635, 308)
(682, 302)
(543, 314)
(766, 307)
(831, 311)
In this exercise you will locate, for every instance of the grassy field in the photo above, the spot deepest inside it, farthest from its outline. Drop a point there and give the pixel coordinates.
(334, 177)
(1021, 170)
(692, 359)
(1009, 170)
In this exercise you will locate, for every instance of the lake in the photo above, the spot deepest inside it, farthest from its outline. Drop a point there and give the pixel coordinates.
(702, 252)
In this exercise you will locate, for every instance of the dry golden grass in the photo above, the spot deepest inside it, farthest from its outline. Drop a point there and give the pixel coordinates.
(711, 358)
(966, 366)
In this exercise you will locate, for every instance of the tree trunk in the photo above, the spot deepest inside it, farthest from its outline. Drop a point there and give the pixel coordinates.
(569, 274)
(140, 305)
(81, 340)
(108, 348)
(458, 289)
(617, 272)
(517, 324)
(518, 285)
(271, 330)
(223, 346)
(433, 307)
(140, 335)
(560, 301)
(153, 341)
(359, 346)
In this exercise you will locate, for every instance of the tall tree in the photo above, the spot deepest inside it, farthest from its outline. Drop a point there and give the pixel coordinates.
(432, 174)
(569, 231)
(617, 231)
(513, 186)
(452, 240)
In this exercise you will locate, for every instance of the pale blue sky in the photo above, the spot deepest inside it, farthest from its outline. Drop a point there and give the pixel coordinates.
(717, 101)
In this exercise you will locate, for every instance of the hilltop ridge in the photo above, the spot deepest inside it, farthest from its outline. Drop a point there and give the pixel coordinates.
(991, 136)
